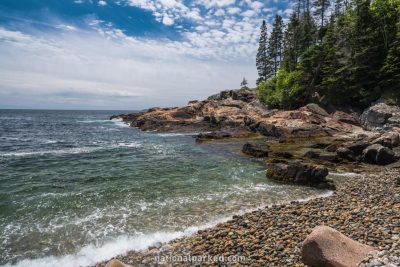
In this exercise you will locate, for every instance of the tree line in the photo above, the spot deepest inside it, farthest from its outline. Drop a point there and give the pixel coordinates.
(341, 53)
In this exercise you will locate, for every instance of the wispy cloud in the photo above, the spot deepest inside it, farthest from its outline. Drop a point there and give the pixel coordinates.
(99, 65)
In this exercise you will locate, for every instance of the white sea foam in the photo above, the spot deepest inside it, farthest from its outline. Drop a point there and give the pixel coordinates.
(77, 150)
(91, 254)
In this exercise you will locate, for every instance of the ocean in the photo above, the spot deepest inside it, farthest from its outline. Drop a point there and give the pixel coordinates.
(77, 188)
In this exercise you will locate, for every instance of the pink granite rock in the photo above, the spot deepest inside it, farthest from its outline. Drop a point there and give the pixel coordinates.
(117, 263)
(327, 247)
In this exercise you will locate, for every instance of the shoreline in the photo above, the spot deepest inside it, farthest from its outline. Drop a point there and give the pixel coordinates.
(349, 209)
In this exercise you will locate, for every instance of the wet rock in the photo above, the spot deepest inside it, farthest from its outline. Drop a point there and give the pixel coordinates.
(212, 136)
(378, 154)
(283, 154)
(255, 150)
(358, 147)
(332, 148)
(315, 155)
(117, 263)
(345, 153)
(299, 173)
(398, 181)
(319, 145)
(326, 246)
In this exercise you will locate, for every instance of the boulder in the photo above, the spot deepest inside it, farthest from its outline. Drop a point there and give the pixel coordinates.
(389, 140)
(299, 173)
(357, 147)
(255, 150)
(349, 118)
(378, 116)
(267, 129)
(345, 153)
(316, 109)
(117, 263)
(328, 247)
(378, 154)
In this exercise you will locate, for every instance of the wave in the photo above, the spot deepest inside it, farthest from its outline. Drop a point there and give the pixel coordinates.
(92, 254)
(117, 121)
(78, 150)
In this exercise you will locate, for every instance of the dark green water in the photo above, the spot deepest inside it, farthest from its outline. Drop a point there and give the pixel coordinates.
(76, 188)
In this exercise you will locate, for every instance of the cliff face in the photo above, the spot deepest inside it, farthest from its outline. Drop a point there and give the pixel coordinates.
(240, 113)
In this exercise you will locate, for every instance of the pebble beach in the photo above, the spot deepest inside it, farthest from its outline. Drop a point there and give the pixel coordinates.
(364, 207)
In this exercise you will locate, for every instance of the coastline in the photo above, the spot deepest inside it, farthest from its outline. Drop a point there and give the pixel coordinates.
(362, 208)
(301, 147)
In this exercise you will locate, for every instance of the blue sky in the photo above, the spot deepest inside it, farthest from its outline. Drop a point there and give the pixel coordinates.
(126, 54)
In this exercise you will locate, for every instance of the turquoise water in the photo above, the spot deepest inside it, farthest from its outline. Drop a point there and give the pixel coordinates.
(76, 188)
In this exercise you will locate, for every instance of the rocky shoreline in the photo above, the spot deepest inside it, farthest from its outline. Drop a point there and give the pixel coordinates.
(365, 208)
(302, 146)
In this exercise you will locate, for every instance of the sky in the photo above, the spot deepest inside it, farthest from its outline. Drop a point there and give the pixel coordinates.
(127, 54)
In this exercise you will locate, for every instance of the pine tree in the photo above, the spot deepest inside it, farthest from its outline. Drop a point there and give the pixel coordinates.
(275, 44)
(321, 9)
(243, 84)
(263, 67)
(291, 44)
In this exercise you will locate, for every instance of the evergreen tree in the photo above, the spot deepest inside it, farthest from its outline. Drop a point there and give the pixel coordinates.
(263, 67)
(243, 84)
(275, 44)
(291, 44)
(390, 72)
(321, 9)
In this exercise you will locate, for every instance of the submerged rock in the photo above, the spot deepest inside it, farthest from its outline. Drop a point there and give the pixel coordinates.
(300, 173)
(326, 246)
(256, 150)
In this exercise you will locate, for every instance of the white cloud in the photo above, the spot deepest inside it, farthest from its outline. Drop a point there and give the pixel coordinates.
(167, 20)
(85, 70)
(234, 10)
(102, 3)
(248, 13)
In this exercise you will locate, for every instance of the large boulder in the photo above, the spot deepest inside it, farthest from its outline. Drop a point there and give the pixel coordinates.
(299, 173)
(380, 115)
(327, 247)
(256, 150)
(117, 263)
(378, 154)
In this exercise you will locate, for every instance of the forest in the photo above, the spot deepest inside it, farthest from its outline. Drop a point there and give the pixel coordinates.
(342, 53)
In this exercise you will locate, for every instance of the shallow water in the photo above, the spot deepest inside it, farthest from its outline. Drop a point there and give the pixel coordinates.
(76, 188)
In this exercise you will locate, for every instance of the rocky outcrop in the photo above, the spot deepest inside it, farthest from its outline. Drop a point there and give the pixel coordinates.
(299, 173)
(382, 116)
(212, 136)
(326, 246)
(378, 154)
(256, 150)
(240, 111)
